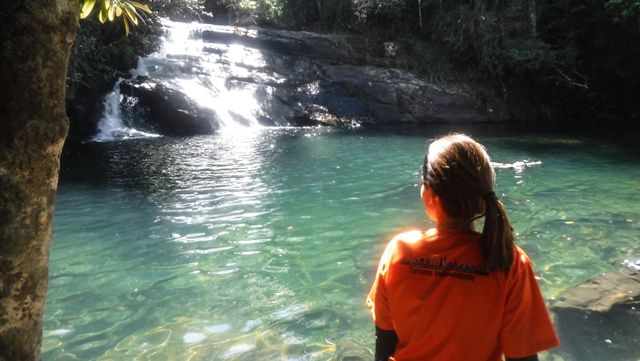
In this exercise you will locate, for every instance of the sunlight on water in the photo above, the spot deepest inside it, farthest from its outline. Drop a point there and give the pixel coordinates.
(203, 72)
(239, 54)
(262, 245)
(179, 39)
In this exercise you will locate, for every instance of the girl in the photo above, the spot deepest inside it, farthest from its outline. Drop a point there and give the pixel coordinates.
(451, 293)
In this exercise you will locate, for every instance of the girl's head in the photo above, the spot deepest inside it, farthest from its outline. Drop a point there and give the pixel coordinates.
(457, 171)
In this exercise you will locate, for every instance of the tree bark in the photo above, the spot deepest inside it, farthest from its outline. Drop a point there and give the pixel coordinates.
(36, 36)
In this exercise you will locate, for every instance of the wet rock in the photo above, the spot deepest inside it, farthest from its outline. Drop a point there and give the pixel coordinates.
(284, 42)
(168, 111)
(393, 96)
(600, 319)
(602, 293)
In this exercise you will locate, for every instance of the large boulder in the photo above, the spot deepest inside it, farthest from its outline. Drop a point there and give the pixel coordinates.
(599, 319)
(166, 110)
(397, 96)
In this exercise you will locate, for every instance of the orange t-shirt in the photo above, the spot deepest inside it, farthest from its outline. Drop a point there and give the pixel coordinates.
(432, 290)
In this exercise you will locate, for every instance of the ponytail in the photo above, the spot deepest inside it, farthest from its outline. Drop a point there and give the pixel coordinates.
(458, 170)
(497, 235)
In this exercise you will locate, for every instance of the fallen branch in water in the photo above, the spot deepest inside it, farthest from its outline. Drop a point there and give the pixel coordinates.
(571, 81)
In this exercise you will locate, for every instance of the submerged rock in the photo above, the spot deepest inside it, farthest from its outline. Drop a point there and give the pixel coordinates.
(347, 350)
(599, 319)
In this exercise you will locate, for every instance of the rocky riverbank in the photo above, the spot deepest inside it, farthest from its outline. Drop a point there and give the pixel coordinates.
(599, 319)
(288, 78)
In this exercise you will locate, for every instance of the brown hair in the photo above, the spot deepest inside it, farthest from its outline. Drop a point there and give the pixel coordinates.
(459, 171)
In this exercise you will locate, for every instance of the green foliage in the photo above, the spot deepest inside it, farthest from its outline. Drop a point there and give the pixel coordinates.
(425, 57)
(624, 8)
(109, 10)
(323, 14)
(98, 57)
(383, 8)
(379, 11)
(179, 10)
(271, 10)
(101, 54)
(575, 57)
(243, 12)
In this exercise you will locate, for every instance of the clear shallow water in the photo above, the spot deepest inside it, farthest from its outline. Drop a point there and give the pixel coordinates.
(262, 246)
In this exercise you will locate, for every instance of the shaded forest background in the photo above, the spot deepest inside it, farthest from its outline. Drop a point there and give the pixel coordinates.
(550, 63)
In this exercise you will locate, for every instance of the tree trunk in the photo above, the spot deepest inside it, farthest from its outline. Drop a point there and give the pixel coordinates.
(36, 36)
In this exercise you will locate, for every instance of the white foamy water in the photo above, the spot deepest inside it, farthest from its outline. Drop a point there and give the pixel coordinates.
(213, 74)
(111, 126)
(209, 72)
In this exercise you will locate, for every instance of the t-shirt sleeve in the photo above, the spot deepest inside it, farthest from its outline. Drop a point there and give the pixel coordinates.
(526, 326)
(377, 301)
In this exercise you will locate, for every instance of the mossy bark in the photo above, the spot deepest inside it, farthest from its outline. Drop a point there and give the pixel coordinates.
(36, 36)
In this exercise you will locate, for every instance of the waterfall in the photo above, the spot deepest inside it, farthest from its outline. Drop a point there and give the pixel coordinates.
(205, 70)
(202, 70)
(111, 126)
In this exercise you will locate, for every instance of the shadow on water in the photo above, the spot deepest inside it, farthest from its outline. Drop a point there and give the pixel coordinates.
(516, 134)
(146, 164)
(611, 335)
(135, 164)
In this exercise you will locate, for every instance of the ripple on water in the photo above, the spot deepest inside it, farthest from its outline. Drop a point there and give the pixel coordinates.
(237, 350)
(194, 337)
(264, 246)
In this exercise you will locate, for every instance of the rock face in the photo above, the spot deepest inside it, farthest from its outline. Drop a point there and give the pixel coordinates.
(600, 319)
(281, 78)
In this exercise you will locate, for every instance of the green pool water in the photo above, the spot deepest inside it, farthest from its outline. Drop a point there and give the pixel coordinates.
(262, 245)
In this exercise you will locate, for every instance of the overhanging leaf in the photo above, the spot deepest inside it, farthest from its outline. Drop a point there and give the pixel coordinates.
(112, 13)
(126, 25)
(102, 16)
(131, 13)
(103, 11)
(140, 6)
(86, 8)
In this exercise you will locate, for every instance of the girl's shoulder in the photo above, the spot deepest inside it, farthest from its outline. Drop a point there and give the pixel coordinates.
(410, 237)
(520, 257)
(521, 265)
(402, 244)
(444, 237)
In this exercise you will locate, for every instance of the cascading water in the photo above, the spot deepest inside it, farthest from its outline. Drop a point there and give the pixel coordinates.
(203, 71)
(111, 126)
